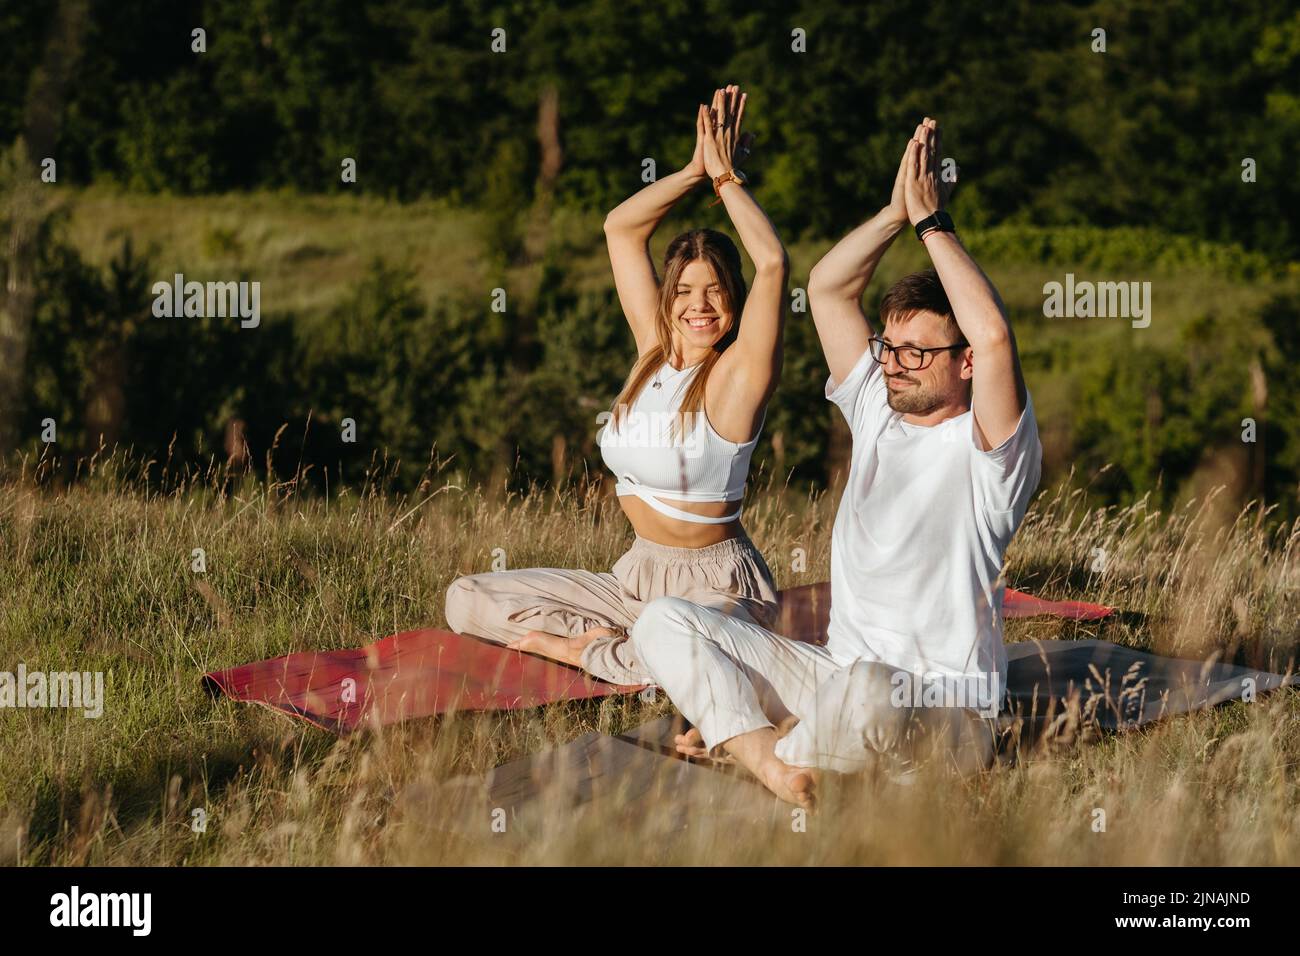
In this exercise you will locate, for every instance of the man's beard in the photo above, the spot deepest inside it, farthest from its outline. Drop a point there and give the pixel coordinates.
(916, 400)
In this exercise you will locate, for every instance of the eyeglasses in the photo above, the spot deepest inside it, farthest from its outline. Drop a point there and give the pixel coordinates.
(910, 357)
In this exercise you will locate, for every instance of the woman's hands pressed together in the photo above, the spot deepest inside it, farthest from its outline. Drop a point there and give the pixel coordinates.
(719, 143)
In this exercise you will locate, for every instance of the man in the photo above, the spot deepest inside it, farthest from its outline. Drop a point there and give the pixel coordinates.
(945, 458)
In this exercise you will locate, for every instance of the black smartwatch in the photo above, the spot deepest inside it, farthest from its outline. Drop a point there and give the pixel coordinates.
(940, 221)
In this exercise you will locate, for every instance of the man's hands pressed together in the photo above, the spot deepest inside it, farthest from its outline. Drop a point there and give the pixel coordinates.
(924, 190)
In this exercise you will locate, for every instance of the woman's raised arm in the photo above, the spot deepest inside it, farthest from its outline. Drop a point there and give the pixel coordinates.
(628, 229)
(752, 364)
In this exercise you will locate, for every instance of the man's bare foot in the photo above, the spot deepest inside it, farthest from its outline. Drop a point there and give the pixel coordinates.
(786, 725)
(691, 744)
(566, 650)
(792, 784)
(795, 785)
(755, 750)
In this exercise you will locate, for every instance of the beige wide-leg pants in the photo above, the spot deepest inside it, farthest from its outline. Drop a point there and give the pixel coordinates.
(503, 606)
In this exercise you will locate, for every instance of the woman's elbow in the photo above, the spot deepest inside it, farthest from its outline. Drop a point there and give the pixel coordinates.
(775, 263)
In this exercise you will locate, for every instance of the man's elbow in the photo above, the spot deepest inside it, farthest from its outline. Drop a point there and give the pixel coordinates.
(995, 338)
(819, 284)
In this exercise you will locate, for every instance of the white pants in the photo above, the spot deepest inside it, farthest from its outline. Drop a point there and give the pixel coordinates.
(729, 677)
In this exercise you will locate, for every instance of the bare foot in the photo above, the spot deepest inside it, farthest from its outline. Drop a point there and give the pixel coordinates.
(691, 744)
(755, 750)
(566, 650)
(795, 785)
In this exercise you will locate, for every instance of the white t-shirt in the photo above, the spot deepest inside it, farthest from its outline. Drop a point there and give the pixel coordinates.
(920, 535)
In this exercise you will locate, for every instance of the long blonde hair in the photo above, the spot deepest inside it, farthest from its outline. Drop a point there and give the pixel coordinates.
(723, 257)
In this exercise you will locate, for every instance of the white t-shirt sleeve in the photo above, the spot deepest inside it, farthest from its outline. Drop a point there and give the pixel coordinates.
(861, 396)
(1007, 475)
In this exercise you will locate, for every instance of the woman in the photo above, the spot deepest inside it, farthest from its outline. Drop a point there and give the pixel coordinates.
(680, 435)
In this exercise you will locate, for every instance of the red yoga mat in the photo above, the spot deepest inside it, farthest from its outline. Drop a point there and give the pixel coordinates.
(427, 672)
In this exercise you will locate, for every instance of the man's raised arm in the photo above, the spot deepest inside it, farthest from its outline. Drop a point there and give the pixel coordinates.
(836, 283)
(998, 387)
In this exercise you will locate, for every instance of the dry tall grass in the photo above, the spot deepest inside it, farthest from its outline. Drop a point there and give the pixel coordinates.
(97, 577)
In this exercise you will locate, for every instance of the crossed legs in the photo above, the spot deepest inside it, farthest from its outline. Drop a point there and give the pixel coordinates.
(735, 682)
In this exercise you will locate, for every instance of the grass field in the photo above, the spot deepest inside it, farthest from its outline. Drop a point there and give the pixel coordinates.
(98, 576)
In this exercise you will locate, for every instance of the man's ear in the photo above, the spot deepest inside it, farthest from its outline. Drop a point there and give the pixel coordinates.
(968, 363)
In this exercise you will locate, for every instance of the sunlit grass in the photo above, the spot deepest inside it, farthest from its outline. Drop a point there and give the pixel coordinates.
(98, 577)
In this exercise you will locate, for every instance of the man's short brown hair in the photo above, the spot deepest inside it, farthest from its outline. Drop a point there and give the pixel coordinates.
(920, 292)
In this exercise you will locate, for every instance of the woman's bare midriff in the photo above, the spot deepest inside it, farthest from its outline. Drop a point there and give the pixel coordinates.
(676, 533)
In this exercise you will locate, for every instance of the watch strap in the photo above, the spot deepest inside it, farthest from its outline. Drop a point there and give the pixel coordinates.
(730, 176)
(940, 221)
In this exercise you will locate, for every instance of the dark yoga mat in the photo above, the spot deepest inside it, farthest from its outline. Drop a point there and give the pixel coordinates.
(1056, 688)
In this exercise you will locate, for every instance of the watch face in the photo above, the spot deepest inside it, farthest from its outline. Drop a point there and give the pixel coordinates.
(739, 176)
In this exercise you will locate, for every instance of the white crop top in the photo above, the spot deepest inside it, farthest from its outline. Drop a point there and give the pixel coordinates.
(650, 462)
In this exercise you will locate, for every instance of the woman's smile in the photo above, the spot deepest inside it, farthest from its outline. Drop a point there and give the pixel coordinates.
(699, 322)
